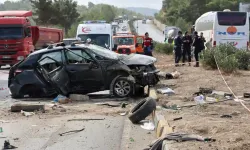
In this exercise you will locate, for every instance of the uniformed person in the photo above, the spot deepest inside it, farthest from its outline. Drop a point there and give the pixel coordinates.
(177, 48)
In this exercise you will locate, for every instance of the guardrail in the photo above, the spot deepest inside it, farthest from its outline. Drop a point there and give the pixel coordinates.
(159, 25)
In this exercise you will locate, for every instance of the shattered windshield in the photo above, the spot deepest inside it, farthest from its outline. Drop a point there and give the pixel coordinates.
(104, 52)
(11, 32)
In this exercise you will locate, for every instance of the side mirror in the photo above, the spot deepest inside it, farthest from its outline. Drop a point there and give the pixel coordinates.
(136, 45)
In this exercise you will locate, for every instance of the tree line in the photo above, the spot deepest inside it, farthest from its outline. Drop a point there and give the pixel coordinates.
(66, 14)
(183, 13)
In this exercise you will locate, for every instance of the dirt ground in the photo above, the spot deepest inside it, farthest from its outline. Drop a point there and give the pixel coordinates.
(230, 133)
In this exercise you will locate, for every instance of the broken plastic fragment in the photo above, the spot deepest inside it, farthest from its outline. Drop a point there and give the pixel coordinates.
(148, 126)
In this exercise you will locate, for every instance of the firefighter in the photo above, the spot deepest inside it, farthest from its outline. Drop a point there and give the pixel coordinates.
(148, 45)
(177, 48)
(187, 43)
(197, 47)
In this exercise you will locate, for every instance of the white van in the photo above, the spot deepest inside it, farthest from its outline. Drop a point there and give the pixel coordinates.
(99, 32)
(224, 27)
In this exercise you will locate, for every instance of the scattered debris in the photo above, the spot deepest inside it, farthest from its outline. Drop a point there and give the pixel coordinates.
(73, 131)
(8, 146)
(179, 137)
(246, 95)
(124, 105)
(27, 114)
(176, 74)
(131, 139)
(211, 99)
(236, 113)
(205, 90)
(110, 104)
(167, 91)
(179, 118)
(173, 107)
(16, 139)
(124, 114)
(148, 126)
(199, 99)
(27, 107)
(62, 99)
(79, 97)
(152, 94)
(169, 76)
(226, 116)
(143, 109)
(87, 119)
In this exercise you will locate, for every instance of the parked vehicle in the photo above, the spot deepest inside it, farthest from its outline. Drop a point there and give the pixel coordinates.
(144, 21)
(18, 38)
(126, 43)
(222, 27)
(69, 41)
(81, 68)
(98, 31)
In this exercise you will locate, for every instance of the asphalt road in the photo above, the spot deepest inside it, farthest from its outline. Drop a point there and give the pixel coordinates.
(149, 27)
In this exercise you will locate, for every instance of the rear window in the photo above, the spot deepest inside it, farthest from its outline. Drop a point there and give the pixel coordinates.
(232, 18)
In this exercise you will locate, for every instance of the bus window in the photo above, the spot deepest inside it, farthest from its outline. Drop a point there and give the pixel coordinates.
(232, 18)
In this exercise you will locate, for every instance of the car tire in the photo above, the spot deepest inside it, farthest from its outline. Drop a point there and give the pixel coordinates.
(143, 109)
(126, 87)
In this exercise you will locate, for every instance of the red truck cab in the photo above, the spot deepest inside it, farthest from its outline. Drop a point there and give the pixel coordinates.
(18, 38)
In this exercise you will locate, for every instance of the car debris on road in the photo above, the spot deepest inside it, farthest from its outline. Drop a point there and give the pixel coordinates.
(143, 109)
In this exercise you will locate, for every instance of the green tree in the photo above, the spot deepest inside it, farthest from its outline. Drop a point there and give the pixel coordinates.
(44, 11)
(91, 5)
(66, 13)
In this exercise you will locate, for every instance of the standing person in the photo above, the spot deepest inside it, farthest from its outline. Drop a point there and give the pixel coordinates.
(187, 43)
(177, 48)
(197, 48)
(147, 45)
(202, 40)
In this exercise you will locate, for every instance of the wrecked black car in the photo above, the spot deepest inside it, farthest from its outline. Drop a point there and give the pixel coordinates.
(81, 69)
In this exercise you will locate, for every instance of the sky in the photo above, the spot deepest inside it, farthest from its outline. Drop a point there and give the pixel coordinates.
(156, 4)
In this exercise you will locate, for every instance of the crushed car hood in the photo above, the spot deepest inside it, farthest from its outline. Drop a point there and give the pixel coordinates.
(137, 59)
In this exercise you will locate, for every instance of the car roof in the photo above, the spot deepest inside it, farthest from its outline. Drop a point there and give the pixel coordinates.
(46, 50)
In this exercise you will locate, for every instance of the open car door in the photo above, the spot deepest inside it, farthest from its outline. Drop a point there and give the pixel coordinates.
(139, 42)
(55, 73)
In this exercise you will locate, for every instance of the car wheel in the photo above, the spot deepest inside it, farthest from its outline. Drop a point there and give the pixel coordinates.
(143, 109)
(122, 87)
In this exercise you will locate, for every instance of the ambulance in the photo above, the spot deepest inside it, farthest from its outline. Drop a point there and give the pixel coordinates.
(100, 32)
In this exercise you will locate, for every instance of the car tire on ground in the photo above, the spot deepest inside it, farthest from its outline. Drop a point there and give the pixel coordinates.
(122, 87)
(142, 110)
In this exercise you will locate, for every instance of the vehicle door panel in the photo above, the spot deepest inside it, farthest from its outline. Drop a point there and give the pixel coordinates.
(56, 74)
(85, 74)
(139, 42)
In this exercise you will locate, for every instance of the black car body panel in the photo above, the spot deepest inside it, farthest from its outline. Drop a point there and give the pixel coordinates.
(79, 69)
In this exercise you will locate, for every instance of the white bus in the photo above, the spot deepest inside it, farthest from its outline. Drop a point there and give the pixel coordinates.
(99, 32)
(224, 27)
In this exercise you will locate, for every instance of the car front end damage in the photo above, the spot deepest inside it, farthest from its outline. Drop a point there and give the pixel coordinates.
(145, 74)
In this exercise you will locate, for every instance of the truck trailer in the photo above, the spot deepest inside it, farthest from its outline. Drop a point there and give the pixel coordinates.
(18, 38)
